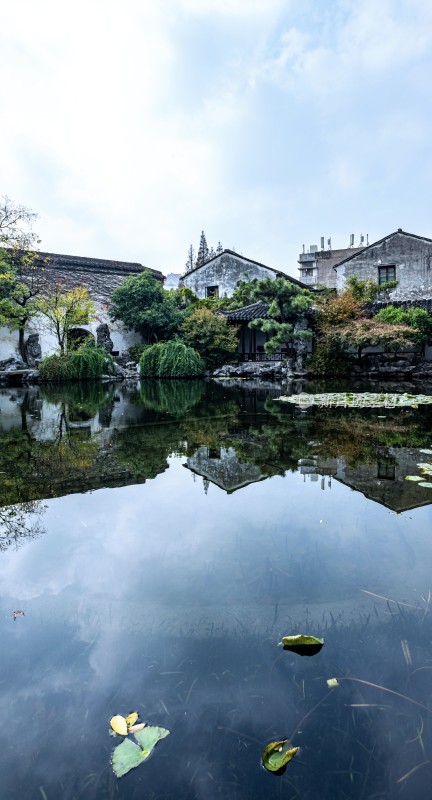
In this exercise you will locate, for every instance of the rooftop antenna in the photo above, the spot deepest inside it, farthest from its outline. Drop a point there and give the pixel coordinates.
(367, 239)
(361, 240)
(329, 243)
(351, 244)
(322, 242)
(304, 249)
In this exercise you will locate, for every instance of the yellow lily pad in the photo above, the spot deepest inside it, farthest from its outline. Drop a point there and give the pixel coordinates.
(119, 725)
(131, 719)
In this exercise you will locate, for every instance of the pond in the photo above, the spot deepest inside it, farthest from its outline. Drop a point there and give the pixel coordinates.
(160, 540)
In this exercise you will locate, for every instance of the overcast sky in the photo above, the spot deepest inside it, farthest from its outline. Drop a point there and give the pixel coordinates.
(131, 126)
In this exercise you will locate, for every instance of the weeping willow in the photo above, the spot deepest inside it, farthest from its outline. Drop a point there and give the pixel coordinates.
(87, 362)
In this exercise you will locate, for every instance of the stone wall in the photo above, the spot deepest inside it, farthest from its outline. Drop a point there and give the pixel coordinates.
(412, 257)
(225, 271)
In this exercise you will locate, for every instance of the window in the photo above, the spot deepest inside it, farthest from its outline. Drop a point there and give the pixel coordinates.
(212, 291)
(387, 273)
(387, 468)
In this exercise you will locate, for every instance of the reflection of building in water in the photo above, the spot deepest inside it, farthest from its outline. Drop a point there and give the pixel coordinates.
(222, 467)
(382, 480)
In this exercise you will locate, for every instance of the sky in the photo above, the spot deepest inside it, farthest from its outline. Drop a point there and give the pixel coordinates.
(131, 126)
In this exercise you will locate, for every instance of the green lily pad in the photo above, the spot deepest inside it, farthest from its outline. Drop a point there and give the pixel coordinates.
(426, 466)
(412, 478)
(128, 755)
(427, 452)
(277, 755)
(302, 645)
(150, 736)
(426, 484)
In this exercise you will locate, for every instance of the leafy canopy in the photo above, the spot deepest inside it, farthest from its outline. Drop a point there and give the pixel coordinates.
(65, 310)
(419, 320)
(210, 336)
(288, 303)
(143, 305)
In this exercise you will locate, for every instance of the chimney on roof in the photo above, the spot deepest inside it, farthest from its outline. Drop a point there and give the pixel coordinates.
(399, 230)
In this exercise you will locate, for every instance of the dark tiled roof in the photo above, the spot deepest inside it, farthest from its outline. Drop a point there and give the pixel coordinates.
(254, 311)
(425, 304)
(79, 263)
(384, 239)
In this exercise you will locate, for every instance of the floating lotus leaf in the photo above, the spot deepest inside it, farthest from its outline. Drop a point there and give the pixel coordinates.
(302, 645)
(413, 478)
(332, 683)
(427, 452)
(128, 755)
(277, 755)
(358, 400)
(119, 725)
(150, 736)
(131, 719)
(426, 484)
(427, 467)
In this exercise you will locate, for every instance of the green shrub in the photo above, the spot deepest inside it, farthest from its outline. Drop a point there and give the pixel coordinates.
(330, 360)
(88, 361)
(136, 351)
(171, 360)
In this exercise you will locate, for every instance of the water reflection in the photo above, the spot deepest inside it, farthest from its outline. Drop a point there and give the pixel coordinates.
(168, 592)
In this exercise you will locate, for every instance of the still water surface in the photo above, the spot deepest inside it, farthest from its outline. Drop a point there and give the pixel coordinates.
(160, 541)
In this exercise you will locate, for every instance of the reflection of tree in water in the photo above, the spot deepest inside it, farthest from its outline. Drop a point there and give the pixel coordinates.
(354, 434)
(20, 523)
(83, 400)
(170, 396)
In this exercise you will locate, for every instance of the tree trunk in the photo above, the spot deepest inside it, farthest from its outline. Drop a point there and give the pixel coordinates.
(21, 346)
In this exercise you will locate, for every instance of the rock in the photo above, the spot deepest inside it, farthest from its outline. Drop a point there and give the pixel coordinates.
(11, 364)
(103, 338)
(32, 377)
(33, 350)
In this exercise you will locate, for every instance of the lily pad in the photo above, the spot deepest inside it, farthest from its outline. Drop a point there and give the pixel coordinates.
(412, 478)
(150, 736)
(276, 755)
(302, 645)
(333, 683)
(128, 755)
(427, 452)
(426, 484)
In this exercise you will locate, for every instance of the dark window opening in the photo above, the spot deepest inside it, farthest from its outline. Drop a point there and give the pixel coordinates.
(387, 469)
(212, 291)
(387, 273)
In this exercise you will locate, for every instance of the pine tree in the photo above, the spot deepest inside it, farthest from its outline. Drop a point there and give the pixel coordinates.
(219, 249)
(211, 254)
(190, 263)
(203, 251)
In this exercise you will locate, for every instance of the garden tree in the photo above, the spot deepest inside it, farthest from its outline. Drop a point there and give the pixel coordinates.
(143, 305)
(342, 322)
(287, 303)
(243, 295)
(19, 275)
(203, 251)
(190, 261)
(364, 332)
(65, 310)
(419, 320)
(20, 284)
(16, 225)
(210, 336)
(219, 249)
